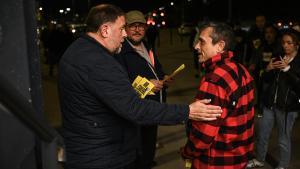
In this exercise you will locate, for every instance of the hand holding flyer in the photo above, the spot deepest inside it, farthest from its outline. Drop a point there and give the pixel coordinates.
(143, 86)
(179, 69)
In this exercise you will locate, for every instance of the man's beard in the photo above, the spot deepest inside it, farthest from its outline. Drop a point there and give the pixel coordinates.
(135, 42)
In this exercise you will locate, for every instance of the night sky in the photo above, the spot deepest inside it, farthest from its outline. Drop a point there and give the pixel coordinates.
(194, 9)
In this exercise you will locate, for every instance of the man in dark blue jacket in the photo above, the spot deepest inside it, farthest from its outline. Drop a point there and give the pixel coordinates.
(100, 109)
(139, 60)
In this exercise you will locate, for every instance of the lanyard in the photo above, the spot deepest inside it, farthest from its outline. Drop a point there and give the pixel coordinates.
(151, 57)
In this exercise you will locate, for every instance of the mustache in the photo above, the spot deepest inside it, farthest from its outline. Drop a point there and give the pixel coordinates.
(200, 53)
(137, 34)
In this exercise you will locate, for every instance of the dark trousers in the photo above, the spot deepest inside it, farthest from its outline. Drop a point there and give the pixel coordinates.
(147, 151)
(129, 166)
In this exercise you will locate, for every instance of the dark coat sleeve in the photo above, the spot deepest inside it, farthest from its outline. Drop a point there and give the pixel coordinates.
(108, 81)
(293, 76)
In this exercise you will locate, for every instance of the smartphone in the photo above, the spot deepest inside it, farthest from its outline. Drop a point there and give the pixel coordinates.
(278, 58)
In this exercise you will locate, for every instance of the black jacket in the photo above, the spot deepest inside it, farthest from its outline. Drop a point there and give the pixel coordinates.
(136, 65)
(101, 110)
(287, 86)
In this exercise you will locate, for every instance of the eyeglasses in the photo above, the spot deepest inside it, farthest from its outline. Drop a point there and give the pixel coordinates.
(140, 27)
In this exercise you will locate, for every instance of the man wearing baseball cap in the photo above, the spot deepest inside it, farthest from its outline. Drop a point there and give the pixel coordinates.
(138, 59)
(135, 16)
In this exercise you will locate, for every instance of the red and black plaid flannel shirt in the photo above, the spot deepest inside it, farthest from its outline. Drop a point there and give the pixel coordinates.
(226, 143)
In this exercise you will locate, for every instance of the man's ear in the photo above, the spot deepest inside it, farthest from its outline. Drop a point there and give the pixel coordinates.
(103, 30)
(221, 46)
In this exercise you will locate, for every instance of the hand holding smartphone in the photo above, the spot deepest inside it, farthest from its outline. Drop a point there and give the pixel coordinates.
(278, 58)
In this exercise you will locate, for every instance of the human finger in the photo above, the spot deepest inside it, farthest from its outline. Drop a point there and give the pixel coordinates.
(197, 118)
(205, 101)
(213, 107)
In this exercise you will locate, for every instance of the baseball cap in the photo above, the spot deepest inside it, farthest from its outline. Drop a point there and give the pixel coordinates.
(134, 16)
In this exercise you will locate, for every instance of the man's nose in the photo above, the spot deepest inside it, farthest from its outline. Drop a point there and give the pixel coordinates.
(124, 34)
(197, 46)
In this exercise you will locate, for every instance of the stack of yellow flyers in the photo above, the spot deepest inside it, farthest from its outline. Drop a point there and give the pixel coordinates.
(143, 86)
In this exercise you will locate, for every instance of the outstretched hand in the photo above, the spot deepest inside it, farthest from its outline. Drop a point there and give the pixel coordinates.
(200, 110)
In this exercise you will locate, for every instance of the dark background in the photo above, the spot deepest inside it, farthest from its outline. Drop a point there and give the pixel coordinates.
(190, 9)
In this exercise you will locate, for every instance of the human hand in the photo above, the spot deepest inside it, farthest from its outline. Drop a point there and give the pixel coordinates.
(280, 63)
(181, 164)
(272, 64)
(158, 85)
(185, 164)
(201, 111)
(168, 80)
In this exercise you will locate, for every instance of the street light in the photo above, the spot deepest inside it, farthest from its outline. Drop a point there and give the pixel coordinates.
(61, 11)
(172, 3)
(68, 9)
(161, 8)
(40, 8)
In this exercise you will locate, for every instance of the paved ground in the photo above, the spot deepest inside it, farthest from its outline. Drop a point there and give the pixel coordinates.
(172, 53)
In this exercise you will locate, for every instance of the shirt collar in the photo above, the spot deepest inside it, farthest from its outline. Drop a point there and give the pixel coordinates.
(217, 59)
(142, 49)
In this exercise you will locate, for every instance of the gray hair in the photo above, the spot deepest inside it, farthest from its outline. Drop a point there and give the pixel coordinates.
(221, 31)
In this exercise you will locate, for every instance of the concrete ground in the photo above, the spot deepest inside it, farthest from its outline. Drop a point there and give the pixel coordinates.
(173, 51)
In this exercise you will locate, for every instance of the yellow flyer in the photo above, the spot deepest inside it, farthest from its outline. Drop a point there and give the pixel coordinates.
(179, 69)
(136, 81)
(143, 86)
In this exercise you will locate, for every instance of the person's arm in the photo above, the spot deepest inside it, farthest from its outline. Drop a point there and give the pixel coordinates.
(291, 70)
(293, 77)
(269, 72)
(108, 82)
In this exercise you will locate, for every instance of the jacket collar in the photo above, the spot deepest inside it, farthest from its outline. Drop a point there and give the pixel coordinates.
(92, 40)
(218, 59)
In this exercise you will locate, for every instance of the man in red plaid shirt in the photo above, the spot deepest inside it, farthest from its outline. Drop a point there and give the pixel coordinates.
(226, 143)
